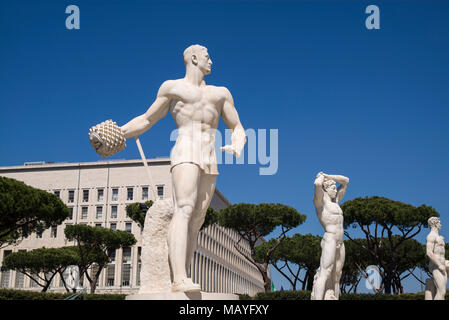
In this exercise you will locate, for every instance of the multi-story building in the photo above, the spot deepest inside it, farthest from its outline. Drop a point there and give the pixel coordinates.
(97, 194)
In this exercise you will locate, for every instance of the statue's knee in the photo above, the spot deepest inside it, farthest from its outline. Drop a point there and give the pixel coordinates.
(185, 209)
(326, 272)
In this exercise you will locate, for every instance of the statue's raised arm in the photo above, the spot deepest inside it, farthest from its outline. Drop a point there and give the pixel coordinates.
(155, 112)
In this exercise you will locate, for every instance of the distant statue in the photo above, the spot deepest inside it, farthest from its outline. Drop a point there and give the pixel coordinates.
(326, 284)
(71, 277)
(438, 266)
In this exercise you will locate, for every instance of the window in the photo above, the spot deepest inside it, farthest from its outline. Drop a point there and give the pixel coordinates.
(114, 212)
(111, 255)
(100, 195)
(113, 226)
(126, 274)
(128, 227)
(70, 213)
(71, 196)
(160, 191)
(98, 224)
(115, 194)
(130, 194)
(54, 232)
(39, 234)
(6, 274)
(20, 279)
(85, 195)
(110, 275)
(99, 212)
(144, 193)
(57, 193)
(84, 213)
(126, 256)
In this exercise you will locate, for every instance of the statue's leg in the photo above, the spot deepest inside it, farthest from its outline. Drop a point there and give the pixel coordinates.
(440, 280)
(327, 261)
(339, 263)
(430, 289)
(185, 178)
(205, 193)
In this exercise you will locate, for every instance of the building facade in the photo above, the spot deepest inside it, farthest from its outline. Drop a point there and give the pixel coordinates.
(97, 194)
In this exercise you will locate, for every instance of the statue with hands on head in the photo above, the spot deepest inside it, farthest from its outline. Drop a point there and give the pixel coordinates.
(326, 284)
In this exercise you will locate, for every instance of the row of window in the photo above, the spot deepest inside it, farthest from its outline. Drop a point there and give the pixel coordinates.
(98, 212)
(114, 196)
(112, 226)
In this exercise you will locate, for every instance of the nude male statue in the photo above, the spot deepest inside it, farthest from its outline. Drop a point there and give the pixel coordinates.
(435, 249)
(196, 108)
(326, 284)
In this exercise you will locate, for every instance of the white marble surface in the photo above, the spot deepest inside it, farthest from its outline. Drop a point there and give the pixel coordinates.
(183, 296)
(326, 283)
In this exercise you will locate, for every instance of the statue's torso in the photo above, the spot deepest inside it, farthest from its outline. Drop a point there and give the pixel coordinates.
(331, 218)
(196, 111)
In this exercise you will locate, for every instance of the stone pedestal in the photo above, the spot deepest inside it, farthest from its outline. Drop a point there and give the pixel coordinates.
(182, 296)
(155, 273)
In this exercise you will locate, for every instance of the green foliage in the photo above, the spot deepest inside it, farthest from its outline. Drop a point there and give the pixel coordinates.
(137, 211)
(305, 295)
(303, 251)
(48, 261)
(24, 210)
(255, 221)
(387, 225)
(386, 213)
(94, 245)
(259, 220)
(11, 294)
(210, 219)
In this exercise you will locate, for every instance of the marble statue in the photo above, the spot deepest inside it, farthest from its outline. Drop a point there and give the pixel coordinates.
(438, 266)
(326, 283)
(196, 108)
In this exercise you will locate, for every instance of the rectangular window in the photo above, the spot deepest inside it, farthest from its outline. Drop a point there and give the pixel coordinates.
(71, 196)
(139, 264)
(114, 212)
(128, 226)
(33, 283)
(6, 274)
(54, 232)
(84, 213)
(126, 255)
(126, 274)
(144, 193)
(129, 194)
(160, 191)
(115, 194)
(110, 275)
(111, 255)
(113, 226)
(57, 193)
(39, 234)
(99, 212)
(20, 280)
(98, 224)
(70, 213)
(100, 195)
(85, 195)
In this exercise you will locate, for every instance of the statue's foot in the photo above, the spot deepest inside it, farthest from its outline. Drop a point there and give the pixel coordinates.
(185, 285)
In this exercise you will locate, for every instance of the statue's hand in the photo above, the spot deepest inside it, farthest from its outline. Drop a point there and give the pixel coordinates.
(320, 174)
(230, 149)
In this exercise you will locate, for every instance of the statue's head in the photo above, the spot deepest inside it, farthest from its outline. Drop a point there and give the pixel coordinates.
(198, 56)
(434, 222)
(330, 187)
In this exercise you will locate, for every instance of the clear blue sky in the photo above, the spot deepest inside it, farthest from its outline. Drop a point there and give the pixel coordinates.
(370, 104)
